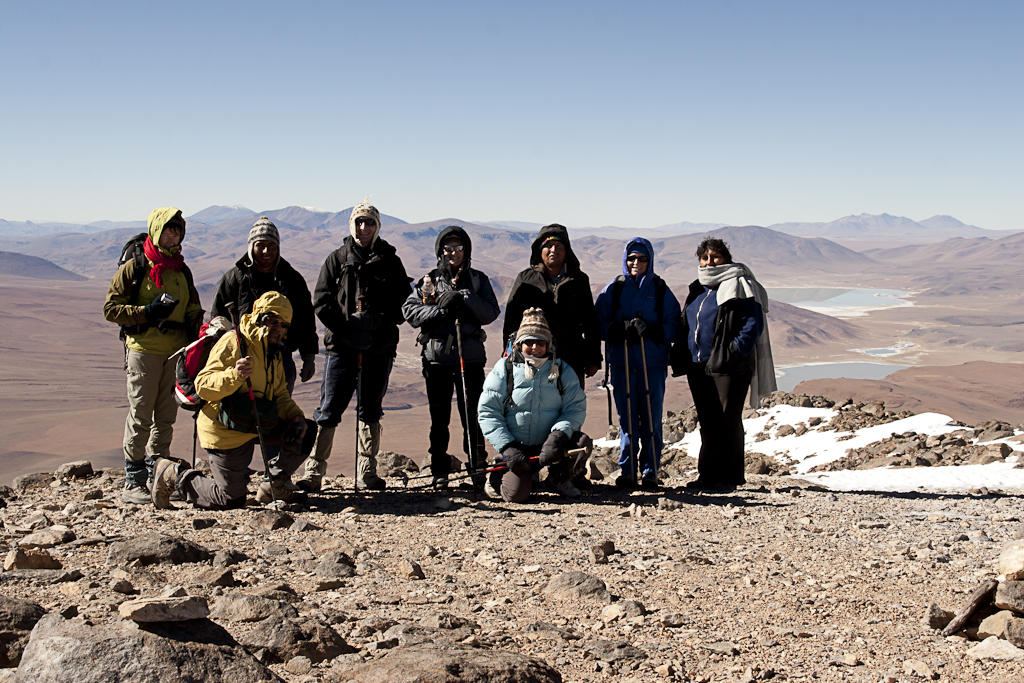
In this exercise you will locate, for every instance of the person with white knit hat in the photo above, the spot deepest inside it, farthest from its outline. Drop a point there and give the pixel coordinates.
(531, 411)
(358, 297)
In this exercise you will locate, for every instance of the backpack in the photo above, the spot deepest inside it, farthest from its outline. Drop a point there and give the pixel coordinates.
(192, 359)
(133, 251)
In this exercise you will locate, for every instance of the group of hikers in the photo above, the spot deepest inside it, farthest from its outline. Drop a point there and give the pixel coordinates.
(530, 407)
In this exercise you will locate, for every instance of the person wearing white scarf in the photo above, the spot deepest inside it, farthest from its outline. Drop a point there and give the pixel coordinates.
(727, 353)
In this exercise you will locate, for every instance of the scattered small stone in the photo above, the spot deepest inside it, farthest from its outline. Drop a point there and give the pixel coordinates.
(409, 569)
(123, 586)
(200, 523)
(996, 650)
(271, 520)
(30, 559)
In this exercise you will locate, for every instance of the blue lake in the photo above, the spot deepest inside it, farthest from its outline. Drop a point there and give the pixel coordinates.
(790, 377)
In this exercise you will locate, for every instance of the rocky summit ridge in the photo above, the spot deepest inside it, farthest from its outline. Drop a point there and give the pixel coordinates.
(781, 579)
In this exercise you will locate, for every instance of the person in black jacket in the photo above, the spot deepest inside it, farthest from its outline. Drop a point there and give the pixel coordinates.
(263, 270)
(449, 295)
(555, 284)
(358, 297)
(723, 348)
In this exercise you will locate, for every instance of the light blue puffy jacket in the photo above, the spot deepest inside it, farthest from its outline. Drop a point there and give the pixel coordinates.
(538, 407)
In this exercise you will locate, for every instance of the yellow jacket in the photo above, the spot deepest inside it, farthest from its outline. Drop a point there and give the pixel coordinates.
(119, 309)
(219, 378)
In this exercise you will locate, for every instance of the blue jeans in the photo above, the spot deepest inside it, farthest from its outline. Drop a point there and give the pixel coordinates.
(339, 383)
(636, 429)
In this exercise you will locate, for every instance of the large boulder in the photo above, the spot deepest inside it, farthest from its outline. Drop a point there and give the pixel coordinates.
(17, 617)
(578, 586)
(1011, 561)
(156, 549)
(447, 663)
(62, 651)
(285, 639)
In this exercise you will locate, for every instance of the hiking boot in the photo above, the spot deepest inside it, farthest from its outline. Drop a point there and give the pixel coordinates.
(489, 489)
(567, 489)
(649, 481)
(366, 460)
(440, 482)
(284, 491)
(134, 494)
(625, 482)
(316, 463)
(165, 482)
(697, 484)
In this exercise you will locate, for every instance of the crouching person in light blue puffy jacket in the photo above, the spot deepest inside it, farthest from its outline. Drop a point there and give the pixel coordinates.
(531, 410)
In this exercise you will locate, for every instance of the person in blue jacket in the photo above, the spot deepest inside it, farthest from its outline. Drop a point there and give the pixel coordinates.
(531, 410)
(638, 315)
(727, 353)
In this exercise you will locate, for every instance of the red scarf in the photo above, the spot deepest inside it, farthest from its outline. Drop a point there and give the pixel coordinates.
(160, 261)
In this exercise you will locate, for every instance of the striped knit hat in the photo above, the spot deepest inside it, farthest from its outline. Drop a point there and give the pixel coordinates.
(262, 230)
(533, 326)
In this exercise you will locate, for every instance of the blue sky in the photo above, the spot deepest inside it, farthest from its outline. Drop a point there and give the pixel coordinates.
(586, 113)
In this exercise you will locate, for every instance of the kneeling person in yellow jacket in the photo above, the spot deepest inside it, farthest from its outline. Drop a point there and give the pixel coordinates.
(226, 428)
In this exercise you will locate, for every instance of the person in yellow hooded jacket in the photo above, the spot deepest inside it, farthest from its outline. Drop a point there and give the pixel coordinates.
(164, 316)
(222, 383)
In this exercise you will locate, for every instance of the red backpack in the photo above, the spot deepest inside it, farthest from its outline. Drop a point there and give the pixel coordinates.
(193, 359)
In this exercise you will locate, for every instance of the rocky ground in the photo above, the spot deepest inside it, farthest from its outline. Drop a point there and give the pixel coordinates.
(779, 580)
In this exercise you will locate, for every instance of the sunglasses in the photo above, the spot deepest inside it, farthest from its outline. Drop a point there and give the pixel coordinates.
(637, 257)
(453, 248)
(366, 222)
(535, 342)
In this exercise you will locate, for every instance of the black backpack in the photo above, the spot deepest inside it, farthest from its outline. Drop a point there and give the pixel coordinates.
(133, 251)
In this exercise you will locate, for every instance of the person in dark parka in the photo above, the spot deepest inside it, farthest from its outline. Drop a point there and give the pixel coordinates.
(358, 297)
(555, 283)
(637, 308)
(262, 270)
(449, 295)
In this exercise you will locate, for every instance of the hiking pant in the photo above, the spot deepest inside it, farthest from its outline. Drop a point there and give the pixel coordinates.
(516, 489)
(441, 379)
(635, 429)
(289, 379)
(151, 408)
(719, 402)
(339, 383)
(228, 482)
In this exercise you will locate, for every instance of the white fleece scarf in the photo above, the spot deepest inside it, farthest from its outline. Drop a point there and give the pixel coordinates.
(736, 281)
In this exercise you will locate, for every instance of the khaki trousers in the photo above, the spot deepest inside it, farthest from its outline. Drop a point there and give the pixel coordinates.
(151, 406)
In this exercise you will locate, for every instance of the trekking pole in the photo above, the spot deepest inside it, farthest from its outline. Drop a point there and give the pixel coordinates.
(255, 411)
(649, 445)
(195, 436)
(629, 414)
(465, 402)
(360, 306)
(608, 389)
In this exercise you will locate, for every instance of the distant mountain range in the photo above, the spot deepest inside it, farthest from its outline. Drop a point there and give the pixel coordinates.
(865, 227)
(34, 267)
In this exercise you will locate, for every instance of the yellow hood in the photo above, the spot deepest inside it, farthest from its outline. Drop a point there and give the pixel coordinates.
(270, 302)
(158, 218)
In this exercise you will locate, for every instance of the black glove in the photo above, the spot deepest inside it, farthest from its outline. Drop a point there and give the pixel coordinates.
(617, 333)
(292, 433)
(450, 300)
(655, 333)
(516, 459)
(554, 448)
(369, 321)
(158, 310)
(635, 329)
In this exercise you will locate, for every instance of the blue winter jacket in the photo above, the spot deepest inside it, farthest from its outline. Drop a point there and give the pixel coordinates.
(538, 409)
(638, 299)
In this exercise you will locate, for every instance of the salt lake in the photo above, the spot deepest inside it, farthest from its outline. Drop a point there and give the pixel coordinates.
(788, 378)
(840, 302)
